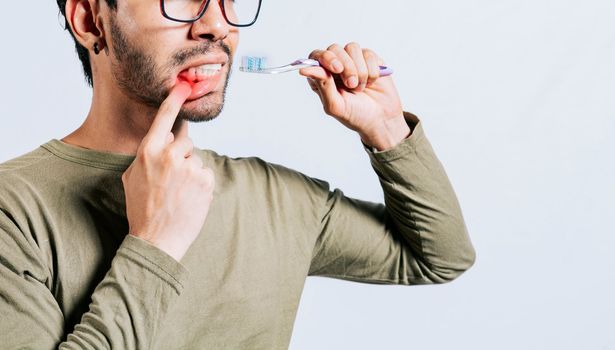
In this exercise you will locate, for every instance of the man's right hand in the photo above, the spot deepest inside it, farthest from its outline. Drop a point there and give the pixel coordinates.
(168, 192)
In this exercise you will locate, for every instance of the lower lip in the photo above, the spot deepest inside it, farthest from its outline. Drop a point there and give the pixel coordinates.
(203, 87)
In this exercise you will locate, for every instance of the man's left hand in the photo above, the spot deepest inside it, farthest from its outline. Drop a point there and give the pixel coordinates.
(352, 91)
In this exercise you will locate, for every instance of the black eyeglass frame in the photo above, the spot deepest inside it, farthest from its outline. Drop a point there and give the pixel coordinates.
(202, 12)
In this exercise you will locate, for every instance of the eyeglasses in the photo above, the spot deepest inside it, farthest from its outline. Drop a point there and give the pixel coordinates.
(238, 13)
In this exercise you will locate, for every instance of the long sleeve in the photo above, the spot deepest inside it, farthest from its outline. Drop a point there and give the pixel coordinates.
(127, 307)
(417, 237)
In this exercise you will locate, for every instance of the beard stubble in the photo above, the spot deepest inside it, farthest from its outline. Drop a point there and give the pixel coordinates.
(137, 74)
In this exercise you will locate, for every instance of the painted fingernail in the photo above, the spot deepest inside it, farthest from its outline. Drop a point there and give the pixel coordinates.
(352, 82)
(337, 65)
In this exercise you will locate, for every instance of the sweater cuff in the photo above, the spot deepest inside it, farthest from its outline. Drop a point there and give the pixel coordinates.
(405, 146)
(154, 260)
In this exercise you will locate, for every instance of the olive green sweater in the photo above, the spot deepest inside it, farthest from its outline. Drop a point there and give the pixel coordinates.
(71, 277)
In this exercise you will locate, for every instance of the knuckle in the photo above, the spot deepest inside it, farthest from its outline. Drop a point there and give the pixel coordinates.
(352, 46)
(329, 55)
(369, 55)
(315, 54)
(142, 150)
(145, 152)
(333, 46)
(168, 156)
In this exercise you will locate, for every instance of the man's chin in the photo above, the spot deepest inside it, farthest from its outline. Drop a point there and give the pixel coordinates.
(200, 113)
(206, 107)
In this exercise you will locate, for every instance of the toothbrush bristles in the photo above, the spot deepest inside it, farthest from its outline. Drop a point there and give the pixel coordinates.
(252, 63)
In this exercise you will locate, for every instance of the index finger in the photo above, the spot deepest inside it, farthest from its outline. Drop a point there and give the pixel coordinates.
(328, 60)
(165, 118)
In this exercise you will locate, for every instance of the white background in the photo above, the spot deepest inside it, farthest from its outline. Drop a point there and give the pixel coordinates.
(516, 98)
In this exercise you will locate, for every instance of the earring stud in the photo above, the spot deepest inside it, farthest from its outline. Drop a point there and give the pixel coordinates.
(96, 49)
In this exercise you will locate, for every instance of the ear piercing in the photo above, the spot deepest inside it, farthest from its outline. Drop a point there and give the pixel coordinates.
(97, 48)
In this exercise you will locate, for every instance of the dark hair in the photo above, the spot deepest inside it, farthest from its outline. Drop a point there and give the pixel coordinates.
(82, 52)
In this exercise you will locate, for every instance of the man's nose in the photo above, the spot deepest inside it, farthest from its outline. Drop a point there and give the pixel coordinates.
(212, 25)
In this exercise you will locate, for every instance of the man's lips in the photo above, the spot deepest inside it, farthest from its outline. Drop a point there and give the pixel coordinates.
(201, 84)
(199, 74)
(203, 87)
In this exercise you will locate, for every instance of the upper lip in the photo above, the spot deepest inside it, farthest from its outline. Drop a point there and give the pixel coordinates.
(210, 59)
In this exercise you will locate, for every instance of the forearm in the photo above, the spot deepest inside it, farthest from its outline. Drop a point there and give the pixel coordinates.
(131, 301)
(417, 237)
(422, 205)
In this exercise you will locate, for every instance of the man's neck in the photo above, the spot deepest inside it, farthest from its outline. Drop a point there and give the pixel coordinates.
(114, 124)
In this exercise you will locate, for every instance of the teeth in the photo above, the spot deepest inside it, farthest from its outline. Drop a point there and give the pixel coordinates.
(200, 72)
(208, 70)
(217, 66)
(209, 67)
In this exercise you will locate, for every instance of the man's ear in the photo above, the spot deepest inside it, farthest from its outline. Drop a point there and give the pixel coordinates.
(83, 18)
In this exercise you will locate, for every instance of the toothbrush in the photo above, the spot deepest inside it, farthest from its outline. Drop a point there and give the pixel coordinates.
(252, 64)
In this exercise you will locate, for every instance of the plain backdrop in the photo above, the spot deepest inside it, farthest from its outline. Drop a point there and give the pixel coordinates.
(517, 100)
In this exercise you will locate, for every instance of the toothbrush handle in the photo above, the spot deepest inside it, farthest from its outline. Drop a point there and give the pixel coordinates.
(384, 70)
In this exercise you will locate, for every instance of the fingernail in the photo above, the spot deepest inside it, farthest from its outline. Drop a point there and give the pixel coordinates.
(352, 82)
(337, 65)
(183, 88)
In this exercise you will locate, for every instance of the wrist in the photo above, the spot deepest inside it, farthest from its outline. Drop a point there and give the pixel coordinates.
(391, 133)
(171, 247)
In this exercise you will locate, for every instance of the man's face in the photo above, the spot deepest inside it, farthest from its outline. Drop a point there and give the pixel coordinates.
(150, 54)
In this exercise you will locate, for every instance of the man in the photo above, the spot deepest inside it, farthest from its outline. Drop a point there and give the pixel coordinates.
(123, 235)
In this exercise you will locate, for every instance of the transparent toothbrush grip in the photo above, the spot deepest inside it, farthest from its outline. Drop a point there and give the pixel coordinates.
(384, 70)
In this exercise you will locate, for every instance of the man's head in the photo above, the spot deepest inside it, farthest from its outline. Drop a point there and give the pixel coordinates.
(144, 54)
